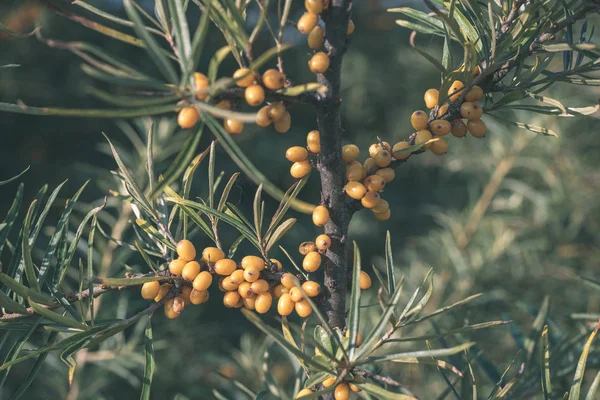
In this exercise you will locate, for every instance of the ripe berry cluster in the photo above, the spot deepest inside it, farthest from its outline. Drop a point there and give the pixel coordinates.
(300, 156)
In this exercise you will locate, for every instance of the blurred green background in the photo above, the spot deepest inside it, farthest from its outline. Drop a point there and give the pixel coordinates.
(529, 203)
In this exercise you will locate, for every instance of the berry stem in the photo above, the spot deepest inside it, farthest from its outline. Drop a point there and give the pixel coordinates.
(331, 166)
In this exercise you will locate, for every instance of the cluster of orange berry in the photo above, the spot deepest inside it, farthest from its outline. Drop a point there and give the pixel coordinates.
(299, 155)
(342, 389)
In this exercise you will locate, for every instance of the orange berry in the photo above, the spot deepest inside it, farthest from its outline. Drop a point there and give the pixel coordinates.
(358, 337)
(300, 169)
(477, 128)
(329, 381)
(263, 302)
(296, 294)
(455, 90)
(244, 77)
(162, 292)
(277, 111)
(237, 277)
(315, 6)
(260, 286)
(365, 280)
(185, 295)
(383, 158)
(350, 152)
(277, 264)
(439, 147)
(374, 183)
(202, 281)
(212, 254)
(419, 120)
(323, 242)
(475, 94)
(459, 129)
(198, 297)
(169, 311)
(470, 110)
(227, 284)
(440, 127)
(370, 167)
(251, 274)
(289, 281)
(400, 146)
(279, 291)
(431, 98)
(284, 124)
(303, 392)
(370, 200)
(381, 207)
(306, 247)
(273, 79)
(178, 304)
(384, 216)
(230, 299)
(353, 387)
(311, 262)
(311, 288)
(245, 290)
(250, 302)
(225, 266)
(350, 29)
(255, 95)
(342, 391)
(354, 171)
(307, 22)
(320, 215)
(188, 117)
(387, 174)
(176, 266)
(201, 82)
(150, 290)
(313, 142)
(442, 110)
(186, 250)
(422, 137)
(376, 148)
(356, 190)
(285, 305)
(319, 63)
(303, 309)
(262, 117)
(254, 262)
(190, 271)
(296, 154)
(316, 38)
(233, 126)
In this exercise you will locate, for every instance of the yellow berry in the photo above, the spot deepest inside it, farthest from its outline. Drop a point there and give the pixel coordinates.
(369, 167)
(476, 71)
(383, 158)
(188, 117)
(233, 126)
(251, 274)
(303, 309)
(227, 284)
(439, 147)
(365, 280)
(212, 254)
(201, 82)
(477, 128)
(342, 391)
(300, 169)
(311, 288)
(162, 292)
(459, 129)
(230, 299)
(240, 303)
(169, 311)
(202, 281)
(150, 290)
(306, 247)
(190, 271)
(442, 110)
(387, 174)
(319, 63)
(245, 290)
(370, 200)
(419, 120)
(255, 95)
(456, 89)
(350, 152)
(431, 98)
(186, 291)
(384, 216)
(249, 302)
(311, 262)
(475, 94)
(262, 117)
(423, 137)
(254, 262)
(315, 6)
(303, 392)
(296, 154)
(176, 266)
(329, 381)
(277, 111)
(285, 304)
(313, 142)
(279, 291)
(263, 302)
(354, 388)
(440, 127)
(277, 264)
(471, 111)
(243, 77)
(260, 286)
(320, 215)
(186, 250)
(237, 276)
(356, 190)
(273, 79)
(358, 336)
(284, 124)
(289, 281)
(323, 242)
(381, 207)
(307, 22)
(400, 146)
(374, 183)
(198, 297)
(377, 147)
(296, 294)
(225, 266)
(354, 171)
(316, 38)
(350, 28)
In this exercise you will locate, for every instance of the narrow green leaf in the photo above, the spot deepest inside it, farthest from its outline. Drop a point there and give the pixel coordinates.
(60, 319)
(414, 312)
(591, 394)
(89, 112)
(258, 215)
(545, 362)
(154, 233)
(150, 363)
(11, 305)
(182, 39)
(29, 268)
(381, 393)
(575, 391)
(211, 176)
(14, 351)
(279, 233)
(115, 282)
(389, 263)
(284, 205)
(287, 334)
(24, 291)
(226, 191)
(199, 39)
(419, 354)
(536, 327)
(10, 218)
(354, 311)
(90, 266)
(190, 213)
(14, 178)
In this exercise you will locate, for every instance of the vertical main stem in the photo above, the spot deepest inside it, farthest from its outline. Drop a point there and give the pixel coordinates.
(331, 167)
